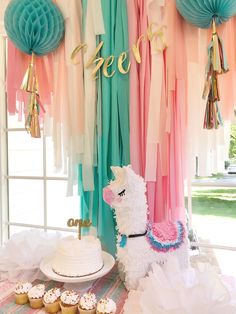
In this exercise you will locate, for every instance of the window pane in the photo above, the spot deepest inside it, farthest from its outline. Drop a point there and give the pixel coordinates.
(25, 154)
(214, 215)
(26, 201)
(51, 170)
(59, 207)
(13, 122)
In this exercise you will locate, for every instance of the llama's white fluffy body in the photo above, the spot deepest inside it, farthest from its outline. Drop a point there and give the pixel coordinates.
(127, 195)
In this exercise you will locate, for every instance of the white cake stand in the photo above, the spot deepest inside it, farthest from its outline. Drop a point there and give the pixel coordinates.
(78, 283)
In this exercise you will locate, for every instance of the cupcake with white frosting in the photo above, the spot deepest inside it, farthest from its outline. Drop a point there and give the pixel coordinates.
(69, 302)
(106, 306)
(88, 303)
(51, 300)
(21, 292)
(35, 295)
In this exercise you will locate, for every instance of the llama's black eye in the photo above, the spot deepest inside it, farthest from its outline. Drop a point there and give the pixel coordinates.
(122, 193)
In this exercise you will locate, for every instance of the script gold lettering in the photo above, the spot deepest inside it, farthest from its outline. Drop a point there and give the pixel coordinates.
(71, 223)
(94, 60)
(79, 223)
(76, 51)
(136, 49)
(108, 62)
(154, 34)
(158, 36)
(121, 60)
(99, 62)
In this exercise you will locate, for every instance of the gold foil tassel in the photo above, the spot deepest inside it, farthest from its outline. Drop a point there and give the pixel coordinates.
(34, 126)
(207, 88)
(28, 83)
(32, 121)
(216, 58)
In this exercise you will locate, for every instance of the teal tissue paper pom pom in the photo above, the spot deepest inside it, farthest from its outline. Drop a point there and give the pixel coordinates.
(201, 12)
(34, 26)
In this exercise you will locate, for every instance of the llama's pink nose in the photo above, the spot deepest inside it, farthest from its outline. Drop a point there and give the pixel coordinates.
(108, 195)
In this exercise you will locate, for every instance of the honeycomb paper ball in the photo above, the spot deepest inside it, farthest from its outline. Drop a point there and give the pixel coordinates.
(34, 25)
(201, 12)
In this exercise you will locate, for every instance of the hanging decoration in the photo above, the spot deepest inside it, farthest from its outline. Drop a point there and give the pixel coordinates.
(201, 13)
(217, 64)
(205, 14)
(36, 27)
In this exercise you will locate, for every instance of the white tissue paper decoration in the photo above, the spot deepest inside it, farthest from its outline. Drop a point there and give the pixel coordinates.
(169, 290)
(20, 257)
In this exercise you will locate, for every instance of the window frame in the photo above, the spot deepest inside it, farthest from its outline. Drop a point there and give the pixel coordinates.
(5, 222)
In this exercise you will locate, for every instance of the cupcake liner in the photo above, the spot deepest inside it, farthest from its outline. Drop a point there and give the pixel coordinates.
(52, 307)
(36, 303)
(70, 309)
(82, 311)
(21, 299)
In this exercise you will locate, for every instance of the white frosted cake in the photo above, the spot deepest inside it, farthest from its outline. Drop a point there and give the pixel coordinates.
(77, 258)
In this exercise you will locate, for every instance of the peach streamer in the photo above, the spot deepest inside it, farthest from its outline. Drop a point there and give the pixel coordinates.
(16, 68)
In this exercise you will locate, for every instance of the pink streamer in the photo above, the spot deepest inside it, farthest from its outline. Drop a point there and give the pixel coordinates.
(140, 85)
(16, 68)
(160, 153)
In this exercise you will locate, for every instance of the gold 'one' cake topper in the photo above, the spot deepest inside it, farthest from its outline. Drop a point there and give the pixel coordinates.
(80, 223)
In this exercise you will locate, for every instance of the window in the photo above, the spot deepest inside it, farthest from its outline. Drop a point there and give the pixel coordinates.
(32, 194)
(212, 202)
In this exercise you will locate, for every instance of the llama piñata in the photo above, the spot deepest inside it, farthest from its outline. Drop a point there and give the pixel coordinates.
(140, 243)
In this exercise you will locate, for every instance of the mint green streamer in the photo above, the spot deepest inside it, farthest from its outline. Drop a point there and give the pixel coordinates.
(112, 123)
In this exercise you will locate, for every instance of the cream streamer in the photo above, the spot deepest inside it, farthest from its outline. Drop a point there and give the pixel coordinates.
(66, 115)
(94, 26)
(154, 9)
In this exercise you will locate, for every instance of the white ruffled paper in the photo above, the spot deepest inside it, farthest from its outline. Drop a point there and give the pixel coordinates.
(21, 256)
(168, 290)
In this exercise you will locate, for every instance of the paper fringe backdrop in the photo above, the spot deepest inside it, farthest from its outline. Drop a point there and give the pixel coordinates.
(159, 156)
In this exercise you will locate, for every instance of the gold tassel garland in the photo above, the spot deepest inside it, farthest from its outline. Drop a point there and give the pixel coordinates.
(30, 85)
(217, 64)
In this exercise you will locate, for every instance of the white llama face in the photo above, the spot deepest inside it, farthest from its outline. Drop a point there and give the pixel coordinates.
(116, 192)
(125, 190)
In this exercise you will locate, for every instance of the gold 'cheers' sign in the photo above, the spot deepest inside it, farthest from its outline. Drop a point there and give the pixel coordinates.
(80, 224)
(153, 34)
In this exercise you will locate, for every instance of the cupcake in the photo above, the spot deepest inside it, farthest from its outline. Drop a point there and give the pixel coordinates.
(87, 304)
(21, 292)
(51, 300)
(35, 295)
(106, 306)
(69, 302)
